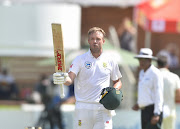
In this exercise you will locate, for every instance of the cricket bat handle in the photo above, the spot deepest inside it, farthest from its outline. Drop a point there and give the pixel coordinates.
(62, 95)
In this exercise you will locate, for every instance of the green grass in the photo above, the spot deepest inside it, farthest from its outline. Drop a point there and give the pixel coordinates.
(10, 107)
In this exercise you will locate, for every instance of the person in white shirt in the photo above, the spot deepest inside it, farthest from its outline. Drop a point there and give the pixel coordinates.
(150, 91)
(171, 92)
(91, 72)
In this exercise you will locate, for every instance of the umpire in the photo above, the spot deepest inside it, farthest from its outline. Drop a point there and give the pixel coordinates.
(150, 91)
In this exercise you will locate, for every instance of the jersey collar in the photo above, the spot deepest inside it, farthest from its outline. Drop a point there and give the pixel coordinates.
(90, 54)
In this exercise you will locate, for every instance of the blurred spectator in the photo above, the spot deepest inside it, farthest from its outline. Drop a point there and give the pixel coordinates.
(171, 93)
(45, 87)
(40, 90)
(42, 85)
(171, 52)
(126, 33)
(52, 101)
(8, 87)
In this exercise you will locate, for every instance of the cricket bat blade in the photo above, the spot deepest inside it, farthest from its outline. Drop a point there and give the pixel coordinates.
(59, 54)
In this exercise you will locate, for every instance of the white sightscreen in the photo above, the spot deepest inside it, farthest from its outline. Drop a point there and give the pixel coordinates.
(25, 30)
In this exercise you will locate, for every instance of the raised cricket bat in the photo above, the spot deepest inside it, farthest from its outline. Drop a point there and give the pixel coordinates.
(59, 52)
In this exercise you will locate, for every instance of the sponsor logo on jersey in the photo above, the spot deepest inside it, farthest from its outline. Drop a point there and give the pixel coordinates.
(104, 65)
(79, 123)
(107, 122)
(88, 64)
(71, 66)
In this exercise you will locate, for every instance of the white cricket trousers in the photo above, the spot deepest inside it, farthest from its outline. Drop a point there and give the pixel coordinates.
(93, 119)
(169, 122)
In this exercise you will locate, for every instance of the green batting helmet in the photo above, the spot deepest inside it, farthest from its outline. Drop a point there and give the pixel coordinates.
(111, 98)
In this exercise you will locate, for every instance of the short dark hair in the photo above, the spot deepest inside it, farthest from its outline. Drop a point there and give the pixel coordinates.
(162, 61)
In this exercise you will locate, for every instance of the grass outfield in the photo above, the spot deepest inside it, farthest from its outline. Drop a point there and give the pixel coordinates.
(10, 107)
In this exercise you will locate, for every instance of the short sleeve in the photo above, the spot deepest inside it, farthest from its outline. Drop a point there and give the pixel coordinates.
(115, 74)
(75, 66)
(177, 82)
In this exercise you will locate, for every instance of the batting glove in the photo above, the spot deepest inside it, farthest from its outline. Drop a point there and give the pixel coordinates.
(59, 78)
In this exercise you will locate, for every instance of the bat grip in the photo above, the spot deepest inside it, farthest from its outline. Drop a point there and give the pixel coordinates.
(62, 95)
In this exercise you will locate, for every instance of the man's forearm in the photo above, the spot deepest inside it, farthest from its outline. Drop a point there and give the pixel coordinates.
(177, 97)
(68, 81)
(117, 84)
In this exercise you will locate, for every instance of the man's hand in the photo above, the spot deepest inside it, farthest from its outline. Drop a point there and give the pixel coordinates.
(59, 78)
(177, 96)
(135, 107)
(154, 120)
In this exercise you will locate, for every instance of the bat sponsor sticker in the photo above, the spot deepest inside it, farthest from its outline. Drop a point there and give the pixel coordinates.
(59, 60)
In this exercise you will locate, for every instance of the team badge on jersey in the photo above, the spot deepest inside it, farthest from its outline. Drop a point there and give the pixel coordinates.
(88, 64)
(79, 123)
(104, 65)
